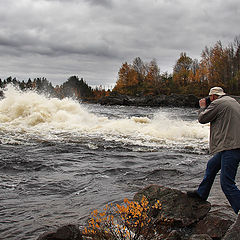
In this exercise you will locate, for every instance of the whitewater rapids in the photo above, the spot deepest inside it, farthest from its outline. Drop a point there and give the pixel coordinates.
(27, 117)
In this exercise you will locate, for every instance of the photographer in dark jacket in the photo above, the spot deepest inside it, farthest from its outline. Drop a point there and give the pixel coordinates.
(224, 116)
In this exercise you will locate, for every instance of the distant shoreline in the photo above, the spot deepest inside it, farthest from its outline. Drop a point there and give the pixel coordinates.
(173, 100)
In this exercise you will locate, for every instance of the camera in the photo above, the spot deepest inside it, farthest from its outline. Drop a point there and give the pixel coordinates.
(208, 101)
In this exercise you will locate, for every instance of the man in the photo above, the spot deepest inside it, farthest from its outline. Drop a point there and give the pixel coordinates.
(223, 113)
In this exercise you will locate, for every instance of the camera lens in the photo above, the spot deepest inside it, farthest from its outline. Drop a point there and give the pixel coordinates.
(208, 101)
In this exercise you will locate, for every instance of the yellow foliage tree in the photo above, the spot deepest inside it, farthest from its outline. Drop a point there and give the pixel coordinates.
(127, 80)
(181, 73)
(130, 221)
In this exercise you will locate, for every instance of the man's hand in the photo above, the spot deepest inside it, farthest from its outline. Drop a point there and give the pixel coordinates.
(202, 103)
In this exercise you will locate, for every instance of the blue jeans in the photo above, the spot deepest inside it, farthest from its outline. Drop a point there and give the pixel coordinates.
(228, 162)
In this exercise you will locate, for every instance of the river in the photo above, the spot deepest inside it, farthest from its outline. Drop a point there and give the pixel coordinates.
(61, 159)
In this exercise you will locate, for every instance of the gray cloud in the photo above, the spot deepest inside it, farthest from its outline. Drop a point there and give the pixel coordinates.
(92, 38)
(105, 3)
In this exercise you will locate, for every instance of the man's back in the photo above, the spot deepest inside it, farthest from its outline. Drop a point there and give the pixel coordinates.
(224, 117)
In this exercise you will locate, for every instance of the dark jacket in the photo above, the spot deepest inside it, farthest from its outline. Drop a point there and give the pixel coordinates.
(224, 117)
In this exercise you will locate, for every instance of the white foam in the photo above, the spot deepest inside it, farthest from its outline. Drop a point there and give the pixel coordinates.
(31, 114)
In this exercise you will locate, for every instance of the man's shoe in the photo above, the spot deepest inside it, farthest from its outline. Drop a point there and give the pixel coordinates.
(233, 233)
(194, 194)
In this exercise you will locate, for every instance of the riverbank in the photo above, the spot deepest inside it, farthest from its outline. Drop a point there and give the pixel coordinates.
(173, 100)
(175, 217)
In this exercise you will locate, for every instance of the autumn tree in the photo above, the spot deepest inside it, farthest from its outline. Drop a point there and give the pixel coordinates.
(167, 84)
(220, 66)
(181, 72)
(214, 61)
(138, 78)
(127, 82)
(152, 81)
(140, 68)
(98, 92)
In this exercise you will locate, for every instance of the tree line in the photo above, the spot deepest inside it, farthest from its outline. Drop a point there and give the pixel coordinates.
(218, 66)
(74, 87)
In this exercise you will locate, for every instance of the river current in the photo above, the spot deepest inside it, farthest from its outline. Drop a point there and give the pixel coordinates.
(61, 159)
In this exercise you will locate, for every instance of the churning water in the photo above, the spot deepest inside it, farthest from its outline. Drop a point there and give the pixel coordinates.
(60, 159)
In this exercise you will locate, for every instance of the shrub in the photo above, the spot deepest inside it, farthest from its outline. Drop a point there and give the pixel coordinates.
(131, 221)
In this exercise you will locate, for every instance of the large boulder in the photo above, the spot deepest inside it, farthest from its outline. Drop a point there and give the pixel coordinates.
(216, 223)
(176, 205)
(191, 218)
(67, 232)
(233, 233)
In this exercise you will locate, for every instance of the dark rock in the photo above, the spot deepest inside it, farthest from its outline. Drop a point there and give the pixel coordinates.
(233, 232)
(215, 224)
(173, 100)
(190, 218)
(200, 237)
(174, 235)
(47, 236)
(116, 99)
(176, 205)
(67, 232)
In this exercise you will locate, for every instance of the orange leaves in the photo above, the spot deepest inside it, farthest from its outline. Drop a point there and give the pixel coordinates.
(133, 211)
(138, 77)
(131, 220)
(157, 205)
(218, 66)
(182, 70)
(127, 80)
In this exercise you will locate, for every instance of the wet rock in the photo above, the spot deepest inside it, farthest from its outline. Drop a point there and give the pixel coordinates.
(200, 237)
(215, 224)
(176, 205)
(67, 232)
(233, 232)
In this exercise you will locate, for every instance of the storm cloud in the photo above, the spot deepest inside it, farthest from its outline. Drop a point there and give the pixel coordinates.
(92, 38)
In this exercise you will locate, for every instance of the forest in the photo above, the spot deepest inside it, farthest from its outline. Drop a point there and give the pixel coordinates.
(218, 66)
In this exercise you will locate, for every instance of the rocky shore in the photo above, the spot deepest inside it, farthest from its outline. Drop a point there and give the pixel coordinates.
(191, 219)
(173, 100)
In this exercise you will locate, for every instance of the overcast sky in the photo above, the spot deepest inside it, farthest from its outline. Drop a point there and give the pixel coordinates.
(92, 38)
